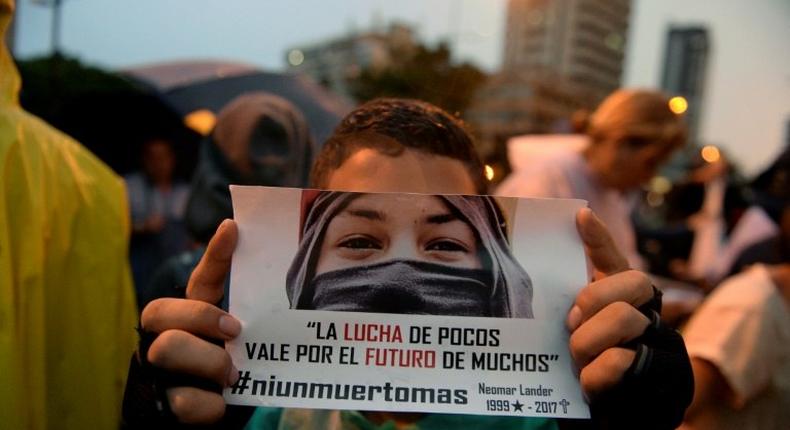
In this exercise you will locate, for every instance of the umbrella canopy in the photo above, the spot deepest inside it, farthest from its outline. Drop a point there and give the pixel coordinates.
(107, 113)
(198, 86)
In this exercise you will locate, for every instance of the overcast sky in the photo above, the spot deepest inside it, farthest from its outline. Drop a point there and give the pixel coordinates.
(747, 103)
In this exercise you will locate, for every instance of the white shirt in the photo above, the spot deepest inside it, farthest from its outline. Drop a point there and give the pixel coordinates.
(713, 253)
(564, 174)
(743, 329)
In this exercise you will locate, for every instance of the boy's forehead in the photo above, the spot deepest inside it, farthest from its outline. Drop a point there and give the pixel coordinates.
(412, 171)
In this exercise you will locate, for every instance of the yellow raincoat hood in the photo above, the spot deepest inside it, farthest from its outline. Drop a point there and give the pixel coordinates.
(9, 78)
(67, 311)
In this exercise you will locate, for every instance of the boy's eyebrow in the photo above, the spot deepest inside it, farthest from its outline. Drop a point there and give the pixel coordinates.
(441, 218)
(370, 214)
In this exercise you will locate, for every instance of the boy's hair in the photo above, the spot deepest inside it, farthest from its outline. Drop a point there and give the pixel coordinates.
(390, 126)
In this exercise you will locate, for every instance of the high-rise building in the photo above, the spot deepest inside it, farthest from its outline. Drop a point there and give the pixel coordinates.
(685, 64)
(582, 41)
(560, 56)
(513, 103)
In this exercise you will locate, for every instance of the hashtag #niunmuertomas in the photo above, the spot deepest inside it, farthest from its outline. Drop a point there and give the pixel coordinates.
(242, 384)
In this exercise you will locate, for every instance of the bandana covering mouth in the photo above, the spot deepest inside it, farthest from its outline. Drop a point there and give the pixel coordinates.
(405, 287)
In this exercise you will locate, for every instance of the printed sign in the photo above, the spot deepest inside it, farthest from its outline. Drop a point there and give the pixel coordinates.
(405, 302)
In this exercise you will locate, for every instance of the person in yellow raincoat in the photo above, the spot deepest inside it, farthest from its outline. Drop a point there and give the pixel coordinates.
(67, 311)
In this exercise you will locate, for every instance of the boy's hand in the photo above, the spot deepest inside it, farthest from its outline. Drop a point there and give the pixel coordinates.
(183, 324)
(651, 394)
(605, 314)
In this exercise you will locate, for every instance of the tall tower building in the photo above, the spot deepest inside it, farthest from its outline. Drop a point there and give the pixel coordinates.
(582, 41)
(560, 56)
(685, 64)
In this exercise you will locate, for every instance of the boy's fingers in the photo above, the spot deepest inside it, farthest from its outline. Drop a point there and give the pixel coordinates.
(207, 282)
(195, 406)
(180, 352)
(614, 325)
(193, 316)
(632, 287)
(605, 371)
(600, 246)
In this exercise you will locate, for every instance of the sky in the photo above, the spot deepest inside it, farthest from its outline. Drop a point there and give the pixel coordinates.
(747, 93)
(747, 99)
(119, 33)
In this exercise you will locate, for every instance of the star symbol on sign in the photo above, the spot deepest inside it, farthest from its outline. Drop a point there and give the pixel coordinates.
(517, 406)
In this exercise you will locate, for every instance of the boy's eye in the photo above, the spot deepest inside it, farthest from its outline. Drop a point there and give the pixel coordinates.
(360, 242)
(446, 245)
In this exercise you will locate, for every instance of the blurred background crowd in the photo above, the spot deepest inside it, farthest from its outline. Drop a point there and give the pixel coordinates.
(691, 172)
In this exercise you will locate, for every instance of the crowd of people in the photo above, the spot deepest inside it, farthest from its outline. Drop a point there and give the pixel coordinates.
(68, 224)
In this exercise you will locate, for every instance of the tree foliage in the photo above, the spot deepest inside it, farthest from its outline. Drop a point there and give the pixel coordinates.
(427, 74)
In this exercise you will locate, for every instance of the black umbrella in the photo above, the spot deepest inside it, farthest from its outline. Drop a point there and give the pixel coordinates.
(193, 86)
(107, 113)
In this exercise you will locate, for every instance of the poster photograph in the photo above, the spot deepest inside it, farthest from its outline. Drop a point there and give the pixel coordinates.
(405, 302)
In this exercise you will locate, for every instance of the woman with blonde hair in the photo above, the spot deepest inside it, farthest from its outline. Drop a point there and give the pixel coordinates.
(629, 136)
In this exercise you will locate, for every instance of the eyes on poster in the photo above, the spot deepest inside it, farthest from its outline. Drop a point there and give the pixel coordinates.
(405, 302)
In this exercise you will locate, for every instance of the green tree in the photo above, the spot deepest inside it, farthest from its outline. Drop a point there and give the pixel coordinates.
(427, 74)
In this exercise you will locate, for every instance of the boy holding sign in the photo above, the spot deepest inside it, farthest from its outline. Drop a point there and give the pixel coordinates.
(635, 372)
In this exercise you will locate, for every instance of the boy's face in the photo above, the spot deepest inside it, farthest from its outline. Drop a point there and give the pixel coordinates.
(413, 171)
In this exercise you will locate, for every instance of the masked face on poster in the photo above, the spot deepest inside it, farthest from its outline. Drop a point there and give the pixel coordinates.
(407, 254)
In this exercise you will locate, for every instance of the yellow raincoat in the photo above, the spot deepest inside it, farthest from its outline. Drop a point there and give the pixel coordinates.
(67, 311)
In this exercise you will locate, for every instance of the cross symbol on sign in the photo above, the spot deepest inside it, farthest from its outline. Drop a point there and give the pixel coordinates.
(564, 403)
